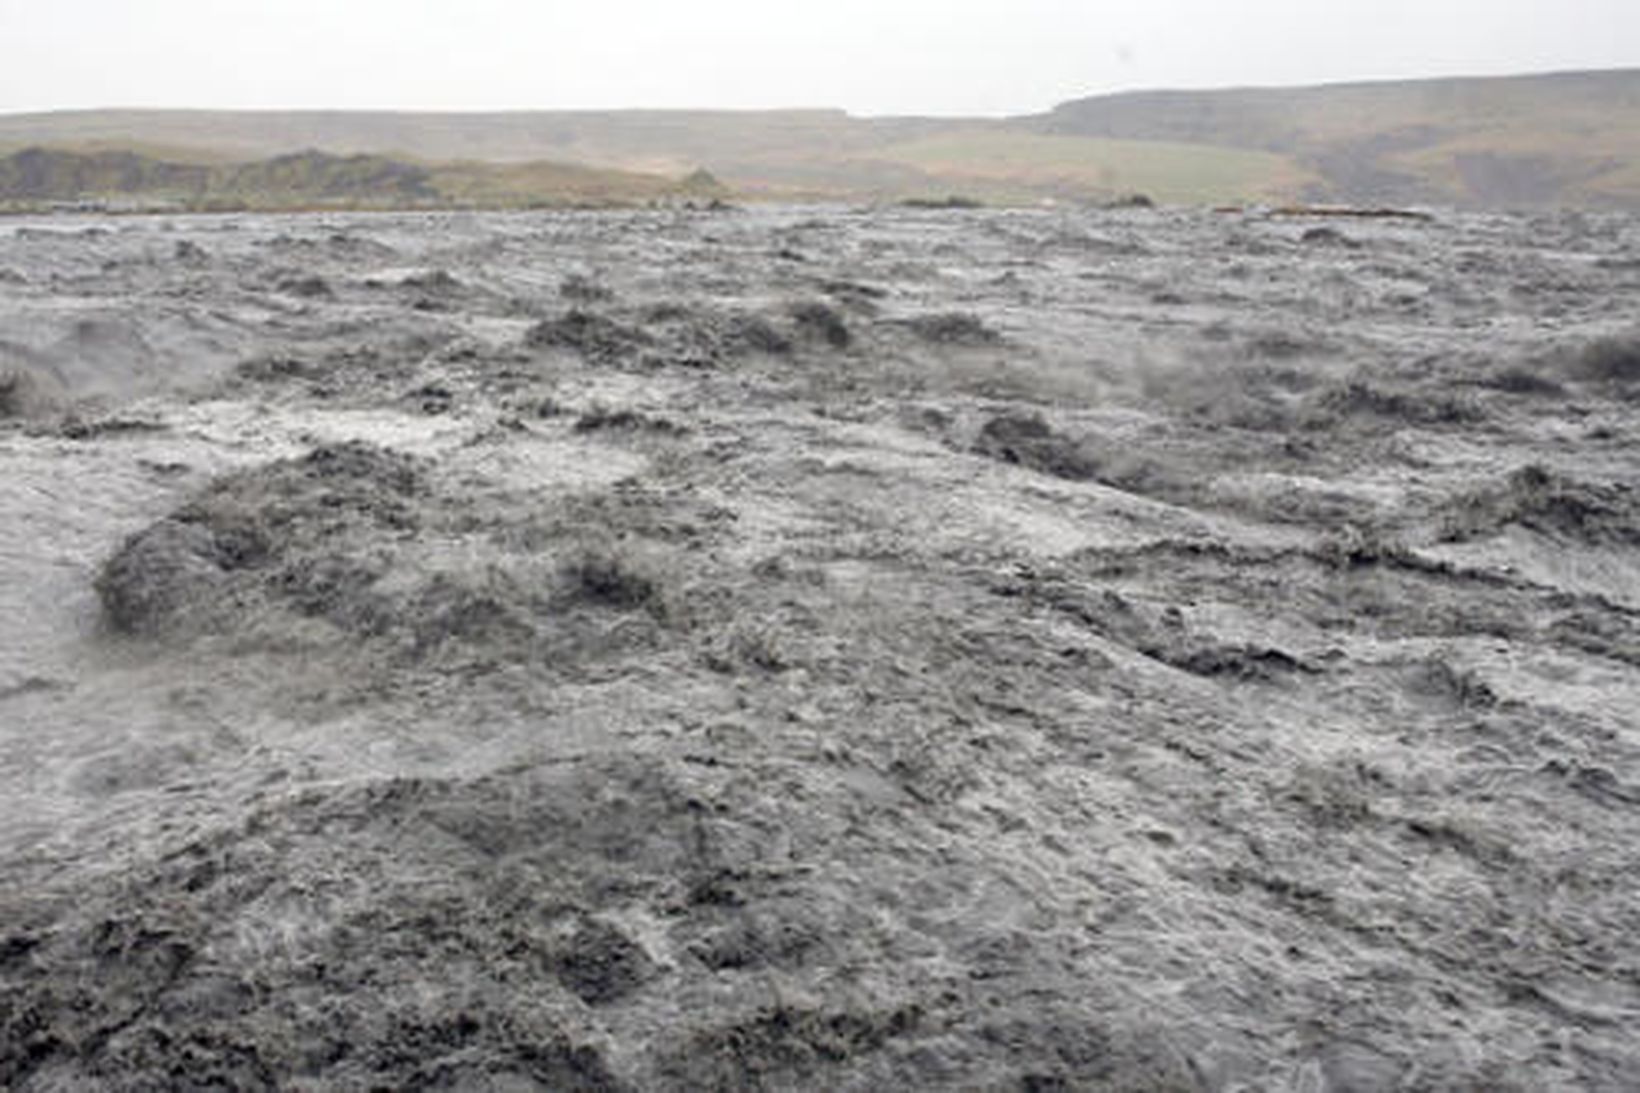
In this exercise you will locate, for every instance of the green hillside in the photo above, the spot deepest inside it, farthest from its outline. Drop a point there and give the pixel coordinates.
(656, 140)
(1026, 163)
(1570, 139)
(1530, 141)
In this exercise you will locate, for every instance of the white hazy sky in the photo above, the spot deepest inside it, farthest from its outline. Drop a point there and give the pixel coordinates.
(868, 56)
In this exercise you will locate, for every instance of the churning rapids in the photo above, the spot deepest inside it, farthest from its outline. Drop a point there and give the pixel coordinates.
(820, 648)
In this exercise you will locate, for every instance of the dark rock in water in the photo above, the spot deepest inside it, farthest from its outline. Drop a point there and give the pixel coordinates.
(334, 586)
(16, 389)
(752, 333)
(1235, 661)
(1359, 399)
(159, 575)
(363, 464)
(1520, 380)
(74, 427)
(1278, 344)
(584, 290)
(1328, 237)
(256, 536)
(432, 398)
(1540, 500)
(222, 1016)
(599, 962)
(782, 1046)
(600, 418)
(853, 291)
(322, 553)
(693, 336)
(611, 579)
(274, 368)
(489, 612)
(595, 336)
(440, 282)
(821, 322)
(953, 328)
(312, 287)
(1611, 358)
(190, 253)
(1027, 439)
(1435, 677)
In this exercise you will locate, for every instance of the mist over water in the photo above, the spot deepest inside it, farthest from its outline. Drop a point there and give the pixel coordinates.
(819, 647)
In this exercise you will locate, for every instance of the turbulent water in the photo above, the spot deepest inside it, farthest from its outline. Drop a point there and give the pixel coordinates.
(820, 648)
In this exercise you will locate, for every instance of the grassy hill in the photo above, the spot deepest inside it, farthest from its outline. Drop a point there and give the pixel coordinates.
(791, 154)
(1024, 163)
(1568, 138)
(1531, 141)
(654, 140)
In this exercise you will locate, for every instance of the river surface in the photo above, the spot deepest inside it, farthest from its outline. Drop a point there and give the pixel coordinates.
(820, 647)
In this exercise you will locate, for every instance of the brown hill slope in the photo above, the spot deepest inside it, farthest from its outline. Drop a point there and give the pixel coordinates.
(603, 138)
(42, 176)
(1566, 138)
(813, 153)
(1570, 139)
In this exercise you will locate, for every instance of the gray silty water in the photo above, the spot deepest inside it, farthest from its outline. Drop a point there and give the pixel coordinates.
(819, 648)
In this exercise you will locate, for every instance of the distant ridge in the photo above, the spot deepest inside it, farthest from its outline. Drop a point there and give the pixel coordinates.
(123, 179)
(1568, 139)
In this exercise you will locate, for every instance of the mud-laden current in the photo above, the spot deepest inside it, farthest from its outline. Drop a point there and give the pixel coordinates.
(820, 648)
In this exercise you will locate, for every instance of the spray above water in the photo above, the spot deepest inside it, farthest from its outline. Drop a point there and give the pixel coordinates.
(814, 659)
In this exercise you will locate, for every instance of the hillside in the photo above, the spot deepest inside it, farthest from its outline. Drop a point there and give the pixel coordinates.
(779, 154)
(37, 176)
(1570, 139)
(1022, 164)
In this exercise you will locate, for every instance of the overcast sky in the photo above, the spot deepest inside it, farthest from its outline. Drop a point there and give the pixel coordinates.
(868, 56)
